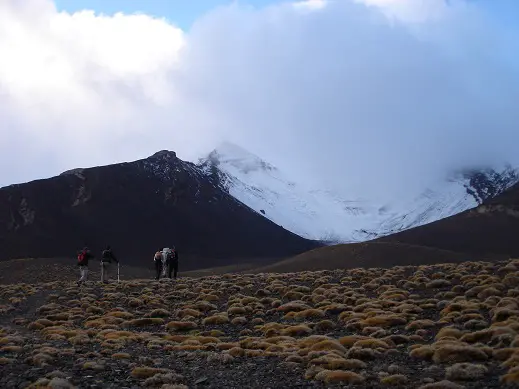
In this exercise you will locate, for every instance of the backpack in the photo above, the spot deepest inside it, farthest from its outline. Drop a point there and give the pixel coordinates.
(81, 257)
(158, 256)
(107, 256)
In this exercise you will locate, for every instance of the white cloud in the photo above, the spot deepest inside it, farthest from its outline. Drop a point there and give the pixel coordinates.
(81, 88)
(367, 96)
(310, 5)
(416, 11)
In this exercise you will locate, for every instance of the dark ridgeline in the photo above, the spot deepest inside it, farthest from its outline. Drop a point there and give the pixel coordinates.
(490, 228)
(138, 207)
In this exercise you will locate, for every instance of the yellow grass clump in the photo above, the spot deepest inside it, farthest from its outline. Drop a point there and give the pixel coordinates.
(420, 324)
(339, 376)
(143, 322)
(371, 343)
(121, 315)
(160, 312)
(449, 332)
(422, 352)
(121, 356)
(11, 349)
(238, 321)
(216, 319)
(298, 330)
(453, 353)
(465, 372)
(328, 345)
(236, 311)
(293, 306)
(350, 340)
(362, 353)
(309, 314)
(383, 321)
(512, 377)
(398, 380)
(445, 384)
(146, 372)
(181, 325)
(189, 312)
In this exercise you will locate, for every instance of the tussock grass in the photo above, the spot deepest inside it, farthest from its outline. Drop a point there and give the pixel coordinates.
(147, 372)
(458, 322)
(445, 384)
(181, 325)
(216, 319)
(144, 322)
(398, 380)
(452, 353)
(294, 306)
(371, 343)
(298, 330)
(465, 372)
(339, 376)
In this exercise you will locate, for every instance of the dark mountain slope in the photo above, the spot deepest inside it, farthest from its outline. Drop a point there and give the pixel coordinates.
(365, 255)
(491, 228)
(139, 207)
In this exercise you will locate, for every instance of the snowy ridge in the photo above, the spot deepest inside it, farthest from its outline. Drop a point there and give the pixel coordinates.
(333, 217)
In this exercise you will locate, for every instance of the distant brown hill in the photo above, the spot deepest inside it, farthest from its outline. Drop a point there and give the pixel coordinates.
(139, 207)
(367, 255)
(491, 228)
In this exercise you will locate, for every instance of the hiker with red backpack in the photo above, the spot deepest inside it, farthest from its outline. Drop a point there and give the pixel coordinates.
(82, 261)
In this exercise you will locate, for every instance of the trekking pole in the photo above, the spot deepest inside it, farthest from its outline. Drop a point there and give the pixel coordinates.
(118, 279)
(102, 271)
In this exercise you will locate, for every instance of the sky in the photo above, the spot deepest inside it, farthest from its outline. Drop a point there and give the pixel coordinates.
(180, 13)
(370, 97)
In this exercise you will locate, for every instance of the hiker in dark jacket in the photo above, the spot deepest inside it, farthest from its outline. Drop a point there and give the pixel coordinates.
(83, 257)
(172, 262)
(106, 260)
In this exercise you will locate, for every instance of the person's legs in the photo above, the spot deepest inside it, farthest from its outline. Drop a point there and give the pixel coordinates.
(83, 272)
(175, 266)
(164, 267)
(158, 269)
(106, 268)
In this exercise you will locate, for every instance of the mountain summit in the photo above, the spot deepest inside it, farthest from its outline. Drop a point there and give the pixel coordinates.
(231, 156)
(139, 207)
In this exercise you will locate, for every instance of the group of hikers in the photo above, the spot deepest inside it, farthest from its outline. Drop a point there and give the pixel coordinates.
(165, 260)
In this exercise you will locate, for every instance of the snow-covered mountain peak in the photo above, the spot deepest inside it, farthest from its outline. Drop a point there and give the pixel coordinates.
(318, 213)
(229, 156)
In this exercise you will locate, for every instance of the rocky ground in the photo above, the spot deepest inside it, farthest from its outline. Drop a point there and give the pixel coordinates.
(442, 326)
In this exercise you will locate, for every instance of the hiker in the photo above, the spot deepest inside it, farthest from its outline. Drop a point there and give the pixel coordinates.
(106, 260)
(172, 262)
(158, 259)
(82, 261)
(166, 252)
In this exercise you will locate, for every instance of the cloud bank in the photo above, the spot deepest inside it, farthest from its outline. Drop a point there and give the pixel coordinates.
(373, 97)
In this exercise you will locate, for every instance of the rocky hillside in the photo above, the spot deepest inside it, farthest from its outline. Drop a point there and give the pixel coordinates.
(139, 207)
